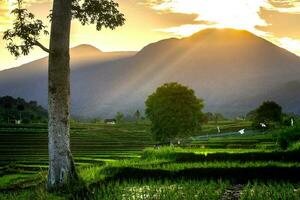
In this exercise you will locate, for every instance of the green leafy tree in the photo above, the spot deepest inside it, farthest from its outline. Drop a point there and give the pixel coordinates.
(269, 112)
(25, 35)
(174, 111)
(119, 117)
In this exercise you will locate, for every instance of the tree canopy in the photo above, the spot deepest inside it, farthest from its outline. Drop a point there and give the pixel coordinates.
(26, 30)
(11, 108)
(268, 112)
(174, 111)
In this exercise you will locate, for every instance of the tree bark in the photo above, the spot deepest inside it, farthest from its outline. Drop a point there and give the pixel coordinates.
(61, 171)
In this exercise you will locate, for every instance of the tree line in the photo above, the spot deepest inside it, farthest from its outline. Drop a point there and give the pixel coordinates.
(17, 110)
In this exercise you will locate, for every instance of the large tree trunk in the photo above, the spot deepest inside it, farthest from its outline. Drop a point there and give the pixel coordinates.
(61, 166)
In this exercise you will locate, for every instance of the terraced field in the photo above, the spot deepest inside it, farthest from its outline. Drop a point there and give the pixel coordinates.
(250, 140)
(27, 145)
(112, 160)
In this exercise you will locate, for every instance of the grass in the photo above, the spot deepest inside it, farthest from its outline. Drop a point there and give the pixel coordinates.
(13, 179)
(162, 189)
(119, 160)
(271, 191)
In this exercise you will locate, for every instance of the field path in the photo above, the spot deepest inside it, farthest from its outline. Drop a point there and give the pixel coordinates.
(233, 193)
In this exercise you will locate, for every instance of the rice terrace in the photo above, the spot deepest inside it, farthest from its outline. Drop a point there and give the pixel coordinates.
(149, 100)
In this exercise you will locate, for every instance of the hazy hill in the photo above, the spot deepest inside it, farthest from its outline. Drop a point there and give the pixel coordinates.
(232, 70)
(30, 80)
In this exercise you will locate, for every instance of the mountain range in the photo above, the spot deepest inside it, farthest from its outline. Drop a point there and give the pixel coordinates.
(232, 70)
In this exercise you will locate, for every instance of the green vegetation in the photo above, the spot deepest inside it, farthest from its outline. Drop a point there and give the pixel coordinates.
(268, 113)
(119, 162)
(174, 111)
(288, 136)
(119, 117)
(13, 110)
(162, 189)
(271, 191)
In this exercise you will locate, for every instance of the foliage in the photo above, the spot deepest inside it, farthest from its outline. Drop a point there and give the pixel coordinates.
(103, 13)
(162, 189)
(27, 30)
(137, 116)
(163, 153)
(216, 117)
(269, 112)
(288, 136)
(174, 111)
(270, 191)
(19, 109)
(295, 146)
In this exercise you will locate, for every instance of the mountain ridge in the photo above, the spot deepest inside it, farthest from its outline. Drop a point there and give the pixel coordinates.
(222, 66)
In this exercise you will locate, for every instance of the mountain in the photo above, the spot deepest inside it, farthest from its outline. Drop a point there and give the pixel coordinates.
(29, 81)
(232, 70)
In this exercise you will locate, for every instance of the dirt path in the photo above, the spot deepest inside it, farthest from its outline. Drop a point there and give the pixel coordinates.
(233, 193)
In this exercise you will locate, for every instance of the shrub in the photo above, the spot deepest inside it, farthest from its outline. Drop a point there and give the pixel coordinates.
(288, 136)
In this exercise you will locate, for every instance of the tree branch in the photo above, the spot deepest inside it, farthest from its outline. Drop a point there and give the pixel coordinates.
(37, 43)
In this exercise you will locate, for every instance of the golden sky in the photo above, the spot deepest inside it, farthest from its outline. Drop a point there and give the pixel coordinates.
(152, 20)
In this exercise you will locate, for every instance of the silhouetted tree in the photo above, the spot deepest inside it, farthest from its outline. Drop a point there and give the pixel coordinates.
(8, 107)
(14, 108)
(137, 116)
(174, 111)
(267, 113)
(25, 35)
(20, 108)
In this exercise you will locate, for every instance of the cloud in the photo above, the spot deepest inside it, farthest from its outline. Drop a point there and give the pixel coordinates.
(184, 30)
(284, 3)
(220, 14)
(281, 24)
(284, 6)
(275, 20)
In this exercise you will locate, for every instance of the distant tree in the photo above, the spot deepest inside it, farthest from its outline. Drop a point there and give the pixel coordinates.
(97, 120)
(20, 108)
(268, 112)
(137, 116)
(7, 102)
(251, 115)
(119, 117)
(209, 116)
(174, 111)
(218, 117)
(25, 35)
(205, 118)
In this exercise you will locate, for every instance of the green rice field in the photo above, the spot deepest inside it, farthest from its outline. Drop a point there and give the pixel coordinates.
(120, 162)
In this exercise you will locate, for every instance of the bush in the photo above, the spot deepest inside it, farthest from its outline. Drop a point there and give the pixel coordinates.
(288, 136)
(295, 147)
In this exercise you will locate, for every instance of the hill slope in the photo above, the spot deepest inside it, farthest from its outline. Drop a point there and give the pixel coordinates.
(232, 70)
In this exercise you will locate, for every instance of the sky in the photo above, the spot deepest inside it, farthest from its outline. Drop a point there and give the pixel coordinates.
(149, 21)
